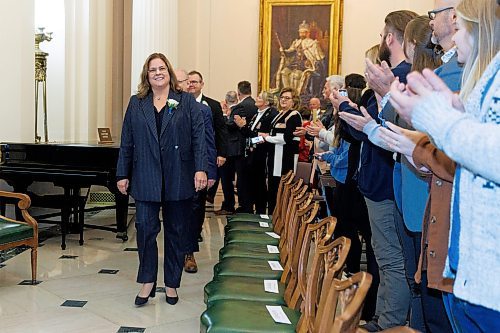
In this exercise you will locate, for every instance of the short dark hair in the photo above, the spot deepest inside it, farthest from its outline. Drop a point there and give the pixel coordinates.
(396, 22)
(244, 88)
(355, 80)
(193, 72)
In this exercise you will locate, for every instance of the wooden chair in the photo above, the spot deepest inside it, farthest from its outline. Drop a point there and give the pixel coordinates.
(256, 266)
(251, 316)
(344, 304)
(241, 286)
(15, 233)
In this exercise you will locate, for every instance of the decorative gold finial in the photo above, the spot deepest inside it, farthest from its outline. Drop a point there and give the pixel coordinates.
(41, 77)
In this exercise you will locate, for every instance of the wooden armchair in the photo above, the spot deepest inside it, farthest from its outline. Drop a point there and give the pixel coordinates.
(16, 233)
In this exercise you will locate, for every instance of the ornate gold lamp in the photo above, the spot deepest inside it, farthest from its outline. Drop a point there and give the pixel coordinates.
(41, 77)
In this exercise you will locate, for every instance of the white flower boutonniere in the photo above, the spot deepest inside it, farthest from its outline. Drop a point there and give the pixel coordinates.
(172, 104)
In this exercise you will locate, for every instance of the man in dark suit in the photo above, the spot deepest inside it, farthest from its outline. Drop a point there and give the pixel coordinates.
(245, 109)
(235, 150)
(195, 86)
(256, 152)
(199, 198)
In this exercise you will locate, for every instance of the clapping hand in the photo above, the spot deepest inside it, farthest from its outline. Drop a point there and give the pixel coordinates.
(300, 131)
(400, 140)
(240, 121)
(338, 99)
(405, 98)
(314, 128)
(379, 77)
(358, 122)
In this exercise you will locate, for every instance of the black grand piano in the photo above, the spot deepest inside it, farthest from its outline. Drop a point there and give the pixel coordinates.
(72, 166)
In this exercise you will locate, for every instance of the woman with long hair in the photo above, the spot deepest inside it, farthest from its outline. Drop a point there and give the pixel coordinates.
(162, 162)
(467, 129)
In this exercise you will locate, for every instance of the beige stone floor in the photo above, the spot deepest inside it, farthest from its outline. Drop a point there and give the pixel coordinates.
(110, 298)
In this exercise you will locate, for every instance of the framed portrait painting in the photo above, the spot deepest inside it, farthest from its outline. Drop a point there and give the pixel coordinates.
(300, 44)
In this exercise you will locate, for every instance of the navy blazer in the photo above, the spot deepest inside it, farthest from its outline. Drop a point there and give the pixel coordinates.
(173, 158)
(210, 141)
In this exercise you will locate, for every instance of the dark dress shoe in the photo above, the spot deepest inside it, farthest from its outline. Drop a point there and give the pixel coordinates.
(140, 301)
(172, 300)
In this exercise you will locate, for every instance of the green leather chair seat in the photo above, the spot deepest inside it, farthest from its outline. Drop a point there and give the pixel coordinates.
(247, 226)
(12, 231)
(242, 288)
(247, 250)
(250, 237)
(243, 316)
(250, 267)
(242, 217)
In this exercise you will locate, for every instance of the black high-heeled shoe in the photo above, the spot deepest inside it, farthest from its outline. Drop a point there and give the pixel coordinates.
(172, 300)
(140, 301)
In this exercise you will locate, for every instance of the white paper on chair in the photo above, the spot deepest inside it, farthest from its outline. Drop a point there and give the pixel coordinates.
(273, 234)
(262, 216)
(278, 314)
(271, 286)
(275, 265)
(272, 249)
(264, 224)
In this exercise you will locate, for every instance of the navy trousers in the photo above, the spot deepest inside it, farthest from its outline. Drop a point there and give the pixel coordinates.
(435, 316)
(176, 219)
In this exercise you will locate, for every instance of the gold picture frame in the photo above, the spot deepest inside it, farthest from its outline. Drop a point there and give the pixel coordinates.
(310, 35)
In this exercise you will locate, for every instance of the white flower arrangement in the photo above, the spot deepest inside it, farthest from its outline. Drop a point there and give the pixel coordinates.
(172, 104)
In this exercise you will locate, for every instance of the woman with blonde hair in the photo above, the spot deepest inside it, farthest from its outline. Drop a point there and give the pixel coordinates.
(468, 133)
(256, 150)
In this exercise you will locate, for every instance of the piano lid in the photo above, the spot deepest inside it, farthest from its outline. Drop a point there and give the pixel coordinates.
(80, 155)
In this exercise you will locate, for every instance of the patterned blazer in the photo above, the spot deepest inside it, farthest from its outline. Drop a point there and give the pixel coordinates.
(169, 161)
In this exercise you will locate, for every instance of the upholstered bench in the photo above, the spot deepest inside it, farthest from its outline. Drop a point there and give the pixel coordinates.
(17, 233)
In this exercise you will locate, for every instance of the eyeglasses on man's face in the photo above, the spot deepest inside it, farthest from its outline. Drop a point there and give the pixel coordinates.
(193, 82)
(156, 70)
(432, 13)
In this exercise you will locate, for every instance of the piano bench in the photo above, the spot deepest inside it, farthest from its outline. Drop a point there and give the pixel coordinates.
(15, 233)
(73, 205)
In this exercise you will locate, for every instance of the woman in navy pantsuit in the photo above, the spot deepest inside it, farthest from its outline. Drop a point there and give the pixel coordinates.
(162, 163)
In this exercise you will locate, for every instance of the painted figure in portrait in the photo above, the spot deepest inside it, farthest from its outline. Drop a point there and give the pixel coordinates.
(300, 44)
(302, 65)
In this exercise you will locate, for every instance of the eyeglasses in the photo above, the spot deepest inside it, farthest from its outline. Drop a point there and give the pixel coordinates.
(155, 70)
(286, 98)
(194, 82)
(432, 13)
